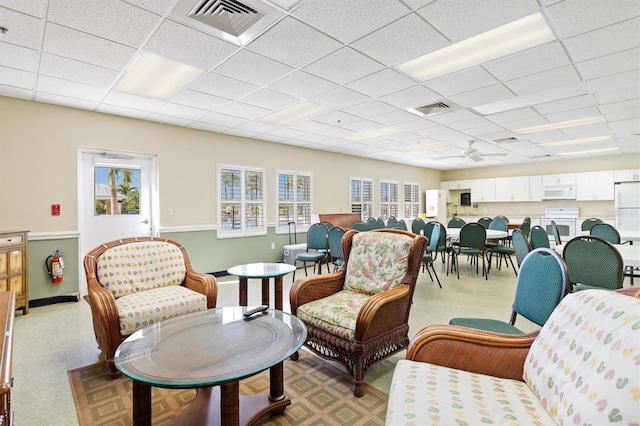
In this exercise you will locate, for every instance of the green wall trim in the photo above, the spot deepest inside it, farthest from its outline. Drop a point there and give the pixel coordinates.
(40, 286)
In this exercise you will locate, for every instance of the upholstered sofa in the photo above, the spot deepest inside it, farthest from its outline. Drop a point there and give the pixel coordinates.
(134, 282)
(582, 367)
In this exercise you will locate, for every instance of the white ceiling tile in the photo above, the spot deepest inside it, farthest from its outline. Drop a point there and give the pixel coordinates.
(65, 101)
(625, 127)
(362, 125)
(165, 119)
(462, 81)
(18, 57)
(335, 132)
(182, 111)
(586, 131)
(312, 138)
(125, 112)
(258, 127)
(332, 67)
(393, 118)
(531, 61)
(544, 81)
(511, 116)
(450, 117)
(17, 78)
(402, 40)
(302, 85)
(576, 102)
(253, 68)
(127, 100)
(188, 46)
(575, 114)
(348, 21)
(24, 30)
(56, 86)
(269, 99)
(224, 87)
(156, 6)
(84, 47)
(570, 18)
(112, 20)
(623, 80)
(382, 83)
(35, 8)
(611, 64)
(412, 97)
(474, 123)
(223, 120)
(69, 69)
(460, 19)
(200, 100)
(307, 46)
(15, 92)
(309, 126)
(238, 109)
(208, 127)
(339, 98)
(287, 133)
(241, 133)
(615, 38)
(336, 118)
(617, 95)
(621, 110)
(369, 109)
(482, 96)
(418, 124)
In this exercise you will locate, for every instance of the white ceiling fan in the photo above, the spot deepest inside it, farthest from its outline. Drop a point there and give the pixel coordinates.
(471, 153)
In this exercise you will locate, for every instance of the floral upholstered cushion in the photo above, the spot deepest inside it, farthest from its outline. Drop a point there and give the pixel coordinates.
(585, 364)
(377, 262)
(137, 310)
(335, 314)
(140, 266)
(427, 394)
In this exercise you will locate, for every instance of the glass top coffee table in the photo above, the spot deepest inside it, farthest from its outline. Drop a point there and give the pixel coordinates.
(265, 271)
(212, 351)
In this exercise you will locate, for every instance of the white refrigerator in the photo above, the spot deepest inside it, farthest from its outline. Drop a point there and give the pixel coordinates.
(436, 205)
(627, 206)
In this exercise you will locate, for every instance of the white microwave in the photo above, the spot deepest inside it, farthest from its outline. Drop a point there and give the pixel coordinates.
(559, 192)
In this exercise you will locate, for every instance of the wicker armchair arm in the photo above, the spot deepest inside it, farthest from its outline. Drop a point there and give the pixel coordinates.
(382, 312)
(477, 351)
(308, 289)
(106, 321)
(202, 283)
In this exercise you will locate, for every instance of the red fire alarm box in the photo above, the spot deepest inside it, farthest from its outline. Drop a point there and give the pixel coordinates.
(55, 209)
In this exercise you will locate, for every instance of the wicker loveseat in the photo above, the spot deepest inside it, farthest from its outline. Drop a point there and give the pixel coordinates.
(580, 368)
(134, 282)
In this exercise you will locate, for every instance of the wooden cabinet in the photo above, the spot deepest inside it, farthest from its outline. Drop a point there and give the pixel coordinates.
(594, 186)
(13, 266)
(483, 190)
(632, 175)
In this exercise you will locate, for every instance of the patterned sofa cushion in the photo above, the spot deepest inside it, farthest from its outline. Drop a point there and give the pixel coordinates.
(427, 394)
(377, 262)
(335, 314)
(135, 267)
(585, 364)
(137, 310)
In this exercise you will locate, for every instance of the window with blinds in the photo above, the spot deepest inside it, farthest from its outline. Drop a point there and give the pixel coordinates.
(411, 199)
(294, 200)
(361, 196)
(388, 202)
(241, 192)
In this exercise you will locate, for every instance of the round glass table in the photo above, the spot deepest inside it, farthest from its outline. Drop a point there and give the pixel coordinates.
(212, 351)
(264, 271)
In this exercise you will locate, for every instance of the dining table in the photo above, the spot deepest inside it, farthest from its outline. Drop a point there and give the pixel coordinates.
(492, 234)
(630, 253)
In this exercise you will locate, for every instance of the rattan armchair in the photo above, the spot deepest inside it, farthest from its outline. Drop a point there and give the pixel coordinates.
(359, 315)
(128, 279)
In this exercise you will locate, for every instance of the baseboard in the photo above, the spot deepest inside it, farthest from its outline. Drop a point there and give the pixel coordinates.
(53, 300)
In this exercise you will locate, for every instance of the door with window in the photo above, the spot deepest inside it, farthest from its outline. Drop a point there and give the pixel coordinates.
(117, 193)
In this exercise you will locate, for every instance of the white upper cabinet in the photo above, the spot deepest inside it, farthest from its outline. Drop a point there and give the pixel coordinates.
(594, 186)
(444, 186)
(459, 184)
(632, 175)
(483, 190)
(512, 188)
(535, 188)
(561, 179)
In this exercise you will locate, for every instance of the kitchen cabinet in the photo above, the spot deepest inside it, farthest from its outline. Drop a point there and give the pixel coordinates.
(632, 175)
(512, 188)
(561, 179)
(483, 190)
(459, 184)
(13, 266)
(594, 186)
(444, 186)
(535, 188)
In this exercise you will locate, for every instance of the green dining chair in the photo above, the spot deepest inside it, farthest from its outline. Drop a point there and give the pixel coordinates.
(525, 226)
(521, 245)
(456, 222)
(606, 232)
(485, 221)
(335, 247)
(373, 223)
(556, 233)
(472, 243)
(593, 263)
(588, 224)
(317, 248)
(360, 226)
(538, 237)
(431, 251)
(417, 226)
(499, 247)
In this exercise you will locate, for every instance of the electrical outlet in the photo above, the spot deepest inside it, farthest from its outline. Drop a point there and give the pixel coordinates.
(273, 246)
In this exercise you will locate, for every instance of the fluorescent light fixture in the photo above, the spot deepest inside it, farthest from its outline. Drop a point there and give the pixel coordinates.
(577, 141)
(504, 40)
(295, 113)
(421, 147)
(155, 77)
(371, 134)
(415, 112)
(559, 125)
(589, 152)
(531, 99)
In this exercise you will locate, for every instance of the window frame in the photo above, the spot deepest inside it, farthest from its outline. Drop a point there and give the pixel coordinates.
(361, 203)
(243, 202)
(390, 203)
(414, 199)
(279, 229)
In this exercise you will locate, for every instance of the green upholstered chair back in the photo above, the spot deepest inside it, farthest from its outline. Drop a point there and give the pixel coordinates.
(588, 224)
(556, 233)
(360, 226)
(525, 227)
(381, 224)
(473, 236)
(335, 243)
(538, 237)
(542, 283)
(521, 245)
(456, 222)
(417, 226)
(506, 219)
(498, 225)
(593, 263)
(606, 232)
(317, 237)
(434, 237)
(391, 220)
(373, 223)
(485, 221)
(428, 228)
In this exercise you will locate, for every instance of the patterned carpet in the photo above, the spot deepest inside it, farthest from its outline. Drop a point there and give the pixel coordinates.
(320, 395)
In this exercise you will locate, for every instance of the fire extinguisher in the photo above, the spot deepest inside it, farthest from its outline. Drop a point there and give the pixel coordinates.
(54, 265)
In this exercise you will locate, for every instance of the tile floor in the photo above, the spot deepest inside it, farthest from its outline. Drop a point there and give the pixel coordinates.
(53, 339)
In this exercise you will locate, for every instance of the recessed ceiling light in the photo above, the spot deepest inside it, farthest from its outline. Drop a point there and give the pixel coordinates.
(155, 77)
(504, 40)
(371, 134)
(577, 141)
(295, 113)
(593, 151)
(559, 125)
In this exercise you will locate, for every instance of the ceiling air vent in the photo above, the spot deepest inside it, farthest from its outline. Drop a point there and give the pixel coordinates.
(505, 140)
(439, 107)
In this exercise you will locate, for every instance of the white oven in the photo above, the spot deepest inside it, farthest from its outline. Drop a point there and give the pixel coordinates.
(565, 219)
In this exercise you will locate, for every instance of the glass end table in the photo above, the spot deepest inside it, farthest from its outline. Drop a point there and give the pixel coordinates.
(264, 271)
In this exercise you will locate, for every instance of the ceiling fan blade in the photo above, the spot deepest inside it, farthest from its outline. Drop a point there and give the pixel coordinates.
(451, 156)
(475, 158)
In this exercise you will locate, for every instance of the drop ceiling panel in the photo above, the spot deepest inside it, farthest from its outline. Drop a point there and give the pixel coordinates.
(369, 109)
(546, 80)
(488, 94)
(413, 97)
(253, 68)
(239, 109)
(462, 81)
(69, 69)
(165, 119)
(15, 92)
(222, 86)
(156, 6)
(223, 120)
(125, 112)
(332, 67)
(615, 38)
(307, 46)
(576, 102)
(570, 19)
(394, 118)
(65, 100)
(310, 126)
(258, 127)
(627, 60)
(336, 118)
(302, 85)
(18, 57)
(18, 78)
(126, 100)
(511, 116)
(339, 98)
(538, 59)
(35, 8)
(621, 110)
(56, 86)
(24, 30)
(382, 83)
(182, 111)
(269, 99)
(200, 100)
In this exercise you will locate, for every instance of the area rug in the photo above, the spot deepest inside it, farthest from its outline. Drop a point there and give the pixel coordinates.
(320, 395)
